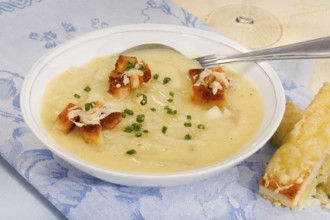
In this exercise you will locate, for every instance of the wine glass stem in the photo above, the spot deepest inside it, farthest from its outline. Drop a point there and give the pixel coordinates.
(245, 17)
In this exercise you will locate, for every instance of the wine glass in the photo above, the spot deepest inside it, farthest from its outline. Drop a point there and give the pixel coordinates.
(250, 26)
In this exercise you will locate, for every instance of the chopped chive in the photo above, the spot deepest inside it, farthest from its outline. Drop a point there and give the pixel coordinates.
(201, 126)
(170, 100)
(129, 65)
(131, 152)
(171, 94)
(133, 127)
(156, 76)
(145, 131)
(164, 129)
(87, 89)
(136, 126)
(144, 98)
(128, 129)
(140, 118)
(139, 134)
(129, 111)
(89, 105)
(187, 124)
(187, 137)
(166, 80)
(153, 109)
(76, 96)
(141, 67)
(169, 110)
(189, 117)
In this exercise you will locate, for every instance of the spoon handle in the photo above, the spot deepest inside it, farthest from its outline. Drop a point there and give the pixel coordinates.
(318, 48)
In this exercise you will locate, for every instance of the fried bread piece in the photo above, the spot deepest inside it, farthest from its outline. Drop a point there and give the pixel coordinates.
(111, 121)
(129, 74)
(91, 122)
(91, 133)
(117, 88)
(290, 177)
(209, 85)
(125, 63)
(63, 122)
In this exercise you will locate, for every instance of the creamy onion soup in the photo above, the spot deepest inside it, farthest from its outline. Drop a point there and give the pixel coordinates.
(175, 133)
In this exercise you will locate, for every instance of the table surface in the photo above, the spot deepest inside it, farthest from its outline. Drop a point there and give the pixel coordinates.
(300, 20)
(19, 200)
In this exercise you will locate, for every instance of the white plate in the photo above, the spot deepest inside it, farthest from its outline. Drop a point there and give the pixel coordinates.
(189, 41)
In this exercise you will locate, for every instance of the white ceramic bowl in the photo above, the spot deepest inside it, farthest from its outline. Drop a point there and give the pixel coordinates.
(189, 41)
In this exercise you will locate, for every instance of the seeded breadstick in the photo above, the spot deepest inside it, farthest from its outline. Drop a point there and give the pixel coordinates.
(290, 175)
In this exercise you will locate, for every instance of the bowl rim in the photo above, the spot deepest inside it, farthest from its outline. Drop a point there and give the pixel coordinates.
(144, 178)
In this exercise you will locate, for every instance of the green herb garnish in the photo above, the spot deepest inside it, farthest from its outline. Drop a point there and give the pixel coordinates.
(187, 137)
(127, 112)
(136, 126)
(131, 152)
(166, 80)
(156, 76)
(153, 109)
(144, 98)
(187, 124)
(171, 94)
(129, 65)
(189, 117)
(128, 129)
(133, 127)
(169, 110)
(140, 118)
(87, 89)
(201, 126)
(164, 129)
(76, 96)
(89, 105)
(170, 100)
(139, 134)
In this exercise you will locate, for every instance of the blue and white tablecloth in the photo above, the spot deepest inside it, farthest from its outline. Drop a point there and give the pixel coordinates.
(30, 28)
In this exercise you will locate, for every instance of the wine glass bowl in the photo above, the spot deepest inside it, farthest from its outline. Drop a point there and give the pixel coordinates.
(249, 25)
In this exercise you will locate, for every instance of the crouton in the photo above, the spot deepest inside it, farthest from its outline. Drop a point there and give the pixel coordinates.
(91, 133)
(63, 122)
(111, 120)
(91, 122)
(209, 85)
(125, 63)
(129, 74)
(146, 71)
(116, 85)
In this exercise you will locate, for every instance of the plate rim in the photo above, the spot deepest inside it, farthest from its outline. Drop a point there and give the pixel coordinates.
(143, 178)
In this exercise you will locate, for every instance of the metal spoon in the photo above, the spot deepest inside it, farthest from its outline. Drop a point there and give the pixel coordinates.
(312, 49)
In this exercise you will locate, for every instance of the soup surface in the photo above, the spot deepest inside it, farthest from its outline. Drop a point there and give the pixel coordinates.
(195, 136)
